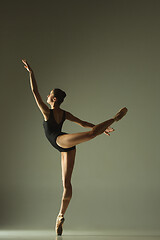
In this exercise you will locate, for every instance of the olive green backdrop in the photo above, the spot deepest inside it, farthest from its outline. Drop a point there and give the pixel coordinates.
(105, 55)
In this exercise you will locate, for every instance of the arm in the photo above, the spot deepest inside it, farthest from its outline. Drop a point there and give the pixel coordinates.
(85, 124)
(72, 118)
(42, 106)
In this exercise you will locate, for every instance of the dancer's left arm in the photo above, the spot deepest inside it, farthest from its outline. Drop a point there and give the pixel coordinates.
(82, 123)
(85, 124)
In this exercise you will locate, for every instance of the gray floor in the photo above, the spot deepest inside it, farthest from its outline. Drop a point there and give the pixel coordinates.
(50, 235)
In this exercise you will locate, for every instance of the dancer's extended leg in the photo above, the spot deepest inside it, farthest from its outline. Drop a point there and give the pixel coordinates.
(69, 140)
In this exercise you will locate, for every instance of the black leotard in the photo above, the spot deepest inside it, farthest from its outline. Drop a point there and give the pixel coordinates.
(53, 130)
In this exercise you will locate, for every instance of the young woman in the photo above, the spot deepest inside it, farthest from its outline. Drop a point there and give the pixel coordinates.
(63, 142)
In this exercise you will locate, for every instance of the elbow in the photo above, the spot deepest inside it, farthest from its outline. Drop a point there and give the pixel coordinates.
(84, 124)
(88, 125)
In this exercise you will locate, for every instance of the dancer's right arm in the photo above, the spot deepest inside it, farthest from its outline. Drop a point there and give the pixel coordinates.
(42, 106)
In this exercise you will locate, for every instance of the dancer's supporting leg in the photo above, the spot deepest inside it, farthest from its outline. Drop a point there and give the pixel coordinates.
(67, 164)
(69, 140)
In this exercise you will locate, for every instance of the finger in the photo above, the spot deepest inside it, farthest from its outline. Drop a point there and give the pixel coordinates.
(111, 130)
(107, 133)
(26, 68)
(24, 61)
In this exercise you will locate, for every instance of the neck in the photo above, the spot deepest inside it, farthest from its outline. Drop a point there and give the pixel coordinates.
(55, 106)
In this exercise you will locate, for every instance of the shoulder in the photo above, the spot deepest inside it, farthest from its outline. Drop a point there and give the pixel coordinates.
(68, 115)
(71, 117)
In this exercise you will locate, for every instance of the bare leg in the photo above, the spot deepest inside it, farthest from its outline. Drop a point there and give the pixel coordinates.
(67, 163)
(70, 140)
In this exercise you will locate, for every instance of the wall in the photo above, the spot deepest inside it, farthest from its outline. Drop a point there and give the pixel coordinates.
(105, 55)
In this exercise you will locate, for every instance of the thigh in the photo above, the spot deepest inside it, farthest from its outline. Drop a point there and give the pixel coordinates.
(67, 164)
(70, 140)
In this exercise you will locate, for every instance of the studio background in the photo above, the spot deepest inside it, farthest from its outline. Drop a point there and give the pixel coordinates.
(105, 55)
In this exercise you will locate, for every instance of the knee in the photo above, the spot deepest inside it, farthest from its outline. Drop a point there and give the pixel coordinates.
(67, 193)
(67, 184)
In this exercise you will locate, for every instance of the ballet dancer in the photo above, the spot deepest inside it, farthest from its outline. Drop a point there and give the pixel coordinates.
(65, 143)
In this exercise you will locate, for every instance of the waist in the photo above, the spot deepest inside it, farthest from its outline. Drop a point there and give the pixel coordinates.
(51, 129)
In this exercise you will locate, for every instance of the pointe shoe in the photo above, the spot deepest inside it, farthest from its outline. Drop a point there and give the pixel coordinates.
(122, 112)
(59, 223)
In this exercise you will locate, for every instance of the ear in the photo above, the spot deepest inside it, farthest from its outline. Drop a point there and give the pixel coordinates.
(54, 99)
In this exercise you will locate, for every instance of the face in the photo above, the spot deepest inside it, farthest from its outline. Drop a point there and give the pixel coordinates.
(50, 98)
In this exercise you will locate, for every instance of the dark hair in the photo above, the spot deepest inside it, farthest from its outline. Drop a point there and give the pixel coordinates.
(60, 95)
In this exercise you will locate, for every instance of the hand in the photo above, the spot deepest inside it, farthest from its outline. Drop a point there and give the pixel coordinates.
(108, 130)
(26, 65)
